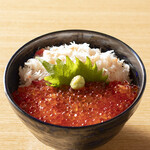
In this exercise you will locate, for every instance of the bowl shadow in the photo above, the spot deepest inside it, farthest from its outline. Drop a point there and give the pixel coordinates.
(129, 138)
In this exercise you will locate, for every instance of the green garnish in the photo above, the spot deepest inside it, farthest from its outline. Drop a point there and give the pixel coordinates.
(62, 74)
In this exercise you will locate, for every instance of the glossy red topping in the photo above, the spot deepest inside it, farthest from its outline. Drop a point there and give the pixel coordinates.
(39, 52)
(95, 103)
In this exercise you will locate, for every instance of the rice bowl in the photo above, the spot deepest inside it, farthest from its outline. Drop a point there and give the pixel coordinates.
(86, 137)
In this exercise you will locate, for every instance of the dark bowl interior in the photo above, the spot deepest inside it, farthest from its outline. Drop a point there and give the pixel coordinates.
(75, 137)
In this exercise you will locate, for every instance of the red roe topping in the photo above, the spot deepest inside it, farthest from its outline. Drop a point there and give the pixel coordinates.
(95, 103)
(39, 52)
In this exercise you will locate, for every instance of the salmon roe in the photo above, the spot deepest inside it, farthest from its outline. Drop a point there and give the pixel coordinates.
(95, 103)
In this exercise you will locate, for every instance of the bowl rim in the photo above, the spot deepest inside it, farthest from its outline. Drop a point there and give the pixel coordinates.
(8, 94)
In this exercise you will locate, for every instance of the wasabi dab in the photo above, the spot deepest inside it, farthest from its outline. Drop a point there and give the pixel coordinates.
(77, 82)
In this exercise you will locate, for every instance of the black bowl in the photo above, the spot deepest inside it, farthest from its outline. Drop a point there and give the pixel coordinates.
(75, 138)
